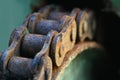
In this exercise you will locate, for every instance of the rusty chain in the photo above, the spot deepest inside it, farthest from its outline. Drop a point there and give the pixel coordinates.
(43, 40)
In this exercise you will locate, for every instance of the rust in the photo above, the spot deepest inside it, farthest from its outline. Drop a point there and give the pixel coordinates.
(33, 43)
(46, 69)
(85, 22)
(43, 13)
(41, 26)
(46, 43)
(86, 25)
(35, 17)
(21, 68)
(66, 27)
(30, 44)
(32, 65)
(64, 41)
(44, 26)
(14, 47)
(72, 54)
(44, 50)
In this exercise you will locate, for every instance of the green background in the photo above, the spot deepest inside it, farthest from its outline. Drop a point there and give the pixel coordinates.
(12, 14)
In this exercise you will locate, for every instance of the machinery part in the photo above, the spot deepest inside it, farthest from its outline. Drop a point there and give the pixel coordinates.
(16, 39)
(39, 26)
(51, 46)
(45, 51)
(31, 64)
(46, 70)
(92, 23)
(67, 30)
(85, 22)
(64, 41)
(14, 48)
(33, 43)
(68, 38)
(90, 64)
(21, 68)
(58, 15)
(18, 33)
(87, 25)
(42, 14)
(71, 55)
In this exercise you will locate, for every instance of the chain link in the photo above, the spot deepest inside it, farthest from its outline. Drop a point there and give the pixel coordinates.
(44, 39)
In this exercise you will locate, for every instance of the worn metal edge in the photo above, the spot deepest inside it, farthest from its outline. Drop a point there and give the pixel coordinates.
(78, 49)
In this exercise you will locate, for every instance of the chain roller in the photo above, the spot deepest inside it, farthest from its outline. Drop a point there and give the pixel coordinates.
(40, 46)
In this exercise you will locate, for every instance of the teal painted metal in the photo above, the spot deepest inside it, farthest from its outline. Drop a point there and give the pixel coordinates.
(92, 64)
(12, 14)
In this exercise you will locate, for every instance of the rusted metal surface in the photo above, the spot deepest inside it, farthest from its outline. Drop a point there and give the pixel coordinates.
(85, 22)
(29, 67)
(39, 25)
(22, 69)
(32, 43)
(72, 54)
(46, 70)
(86, 25)
(66, 27)
(19, 66)
(46, 43)
(14, 48)
(65, 41)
